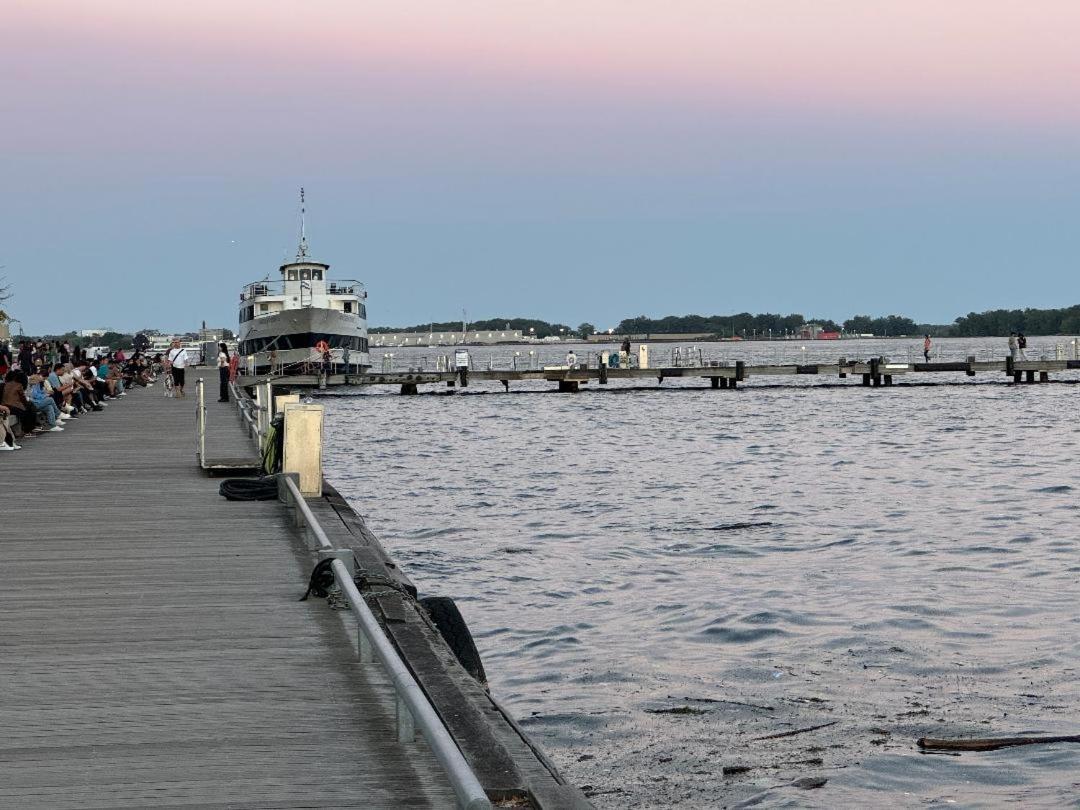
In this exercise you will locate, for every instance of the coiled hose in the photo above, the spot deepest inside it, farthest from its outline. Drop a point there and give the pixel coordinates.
(250, 489)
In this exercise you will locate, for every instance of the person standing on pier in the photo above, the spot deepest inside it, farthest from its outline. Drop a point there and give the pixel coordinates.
(624, 350)
(1021, 345)
(926, 349)
(1012, 345)
(223, 372)
(177, 358)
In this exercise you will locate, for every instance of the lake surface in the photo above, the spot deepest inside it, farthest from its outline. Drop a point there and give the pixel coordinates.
(659, 578)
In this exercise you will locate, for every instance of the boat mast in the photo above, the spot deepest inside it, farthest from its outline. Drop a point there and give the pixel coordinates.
(302, 253)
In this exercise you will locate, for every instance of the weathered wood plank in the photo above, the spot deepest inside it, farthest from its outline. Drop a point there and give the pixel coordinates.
(157, 656)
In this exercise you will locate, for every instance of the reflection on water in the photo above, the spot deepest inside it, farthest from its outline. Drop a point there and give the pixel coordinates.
(659, 579)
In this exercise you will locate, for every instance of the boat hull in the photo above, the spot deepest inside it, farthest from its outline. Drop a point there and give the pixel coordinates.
(288, 340)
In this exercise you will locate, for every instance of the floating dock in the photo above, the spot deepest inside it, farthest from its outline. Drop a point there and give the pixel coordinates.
(156, 653)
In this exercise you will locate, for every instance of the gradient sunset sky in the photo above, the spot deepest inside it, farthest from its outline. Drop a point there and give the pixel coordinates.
(585, 160)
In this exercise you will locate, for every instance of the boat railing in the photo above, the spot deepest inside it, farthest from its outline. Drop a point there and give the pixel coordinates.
(267, 287)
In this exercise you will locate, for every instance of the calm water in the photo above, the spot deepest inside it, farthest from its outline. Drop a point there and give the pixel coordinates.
(899, 562)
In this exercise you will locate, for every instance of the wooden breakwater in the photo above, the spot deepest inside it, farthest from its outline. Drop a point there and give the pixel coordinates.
(153, 651)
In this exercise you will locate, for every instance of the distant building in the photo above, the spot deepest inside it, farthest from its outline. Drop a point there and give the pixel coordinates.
(211, 335)
(91, 333)
(655, 337)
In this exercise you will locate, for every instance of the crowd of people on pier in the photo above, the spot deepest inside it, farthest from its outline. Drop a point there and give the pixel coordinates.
(48, 383)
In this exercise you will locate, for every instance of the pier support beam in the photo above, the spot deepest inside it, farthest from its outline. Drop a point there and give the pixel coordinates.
(888, 379)
(840, 365)
(866, 379)
(568, 386)
(971, 363)
(506, 386)
(408, 389)
(1030, 376)
(1044, 376)
(740, 372)
(715, 382)
(603, 373)
(463, 377)
(875, 373)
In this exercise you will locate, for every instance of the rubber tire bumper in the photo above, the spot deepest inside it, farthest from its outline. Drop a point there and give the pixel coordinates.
(451, 626)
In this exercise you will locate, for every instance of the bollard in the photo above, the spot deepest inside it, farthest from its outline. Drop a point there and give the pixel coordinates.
(970, 365)
(303, 447)
(840, 365)
(875, 367)
(1010, 363)
(643, 356)
(603, 370)
(740, 371)
(715, 382)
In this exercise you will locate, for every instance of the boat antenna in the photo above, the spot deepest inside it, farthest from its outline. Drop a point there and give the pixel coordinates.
(301, 254)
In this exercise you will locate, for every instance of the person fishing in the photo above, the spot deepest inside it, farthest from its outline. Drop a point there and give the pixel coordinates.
(926, 348)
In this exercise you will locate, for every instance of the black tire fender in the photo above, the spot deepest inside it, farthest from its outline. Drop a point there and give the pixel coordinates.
(451, 626)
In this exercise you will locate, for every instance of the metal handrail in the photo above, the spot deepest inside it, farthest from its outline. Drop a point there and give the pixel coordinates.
(414, 709)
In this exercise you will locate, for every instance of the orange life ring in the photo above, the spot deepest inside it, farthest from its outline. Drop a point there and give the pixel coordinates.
(322, 347)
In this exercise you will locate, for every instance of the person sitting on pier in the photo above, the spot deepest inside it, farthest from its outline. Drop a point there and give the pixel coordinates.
(7, 436)
(15, 400)
(44, 404)
(571, 359)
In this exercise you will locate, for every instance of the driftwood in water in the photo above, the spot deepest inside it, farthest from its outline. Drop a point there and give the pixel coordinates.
(991, 743)
(796, 731)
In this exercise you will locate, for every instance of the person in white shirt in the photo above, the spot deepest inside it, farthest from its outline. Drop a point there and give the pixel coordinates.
(571, 358)
(223, 372)
(177, 358)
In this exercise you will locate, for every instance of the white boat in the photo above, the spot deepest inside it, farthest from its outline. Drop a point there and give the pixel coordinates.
(286, 324)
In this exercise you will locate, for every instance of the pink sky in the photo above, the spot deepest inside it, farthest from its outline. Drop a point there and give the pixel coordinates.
(996, 59)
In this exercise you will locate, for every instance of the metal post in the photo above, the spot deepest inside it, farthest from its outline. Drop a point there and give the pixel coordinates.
(363, 646)
(200, 418)
(406, 726)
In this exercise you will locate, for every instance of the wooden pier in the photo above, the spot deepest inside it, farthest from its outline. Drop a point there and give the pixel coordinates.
(154, 653)
(873, 373)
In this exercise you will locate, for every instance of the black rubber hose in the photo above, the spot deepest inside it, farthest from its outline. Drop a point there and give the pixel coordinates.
(249, 489)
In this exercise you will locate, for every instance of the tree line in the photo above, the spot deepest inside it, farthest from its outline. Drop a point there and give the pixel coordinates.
(528, 326)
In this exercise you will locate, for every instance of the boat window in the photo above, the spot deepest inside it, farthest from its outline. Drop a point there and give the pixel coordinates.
(264, 307)
(305, 275)
(348, 306)
(292, 275)
(316, 275)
